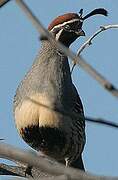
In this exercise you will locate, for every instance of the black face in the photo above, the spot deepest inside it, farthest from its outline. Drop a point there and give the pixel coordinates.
(67, 38)
(70, 32)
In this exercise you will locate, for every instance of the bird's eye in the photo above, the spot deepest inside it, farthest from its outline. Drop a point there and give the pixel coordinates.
(67, 27)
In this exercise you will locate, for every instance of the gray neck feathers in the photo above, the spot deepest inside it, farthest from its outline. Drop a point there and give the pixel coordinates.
(50, 74)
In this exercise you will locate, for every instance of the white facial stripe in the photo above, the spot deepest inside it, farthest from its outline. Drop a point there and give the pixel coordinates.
(63, 24)
(58, 34)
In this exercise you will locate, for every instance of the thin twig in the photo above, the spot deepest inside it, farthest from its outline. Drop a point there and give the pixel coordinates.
(102, 122)
(89, 41)
(56, 169)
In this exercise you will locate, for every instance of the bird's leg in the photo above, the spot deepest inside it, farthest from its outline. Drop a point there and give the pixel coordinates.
(67, 162)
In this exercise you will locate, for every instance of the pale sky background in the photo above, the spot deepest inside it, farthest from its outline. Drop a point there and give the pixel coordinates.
(19, 45)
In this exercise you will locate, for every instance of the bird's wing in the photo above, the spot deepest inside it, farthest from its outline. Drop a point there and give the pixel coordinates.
(78, 116)
(77, 103)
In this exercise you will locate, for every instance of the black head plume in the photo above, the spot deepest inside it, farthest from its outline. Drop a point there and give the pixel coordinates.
(81, 13)
(100, 11)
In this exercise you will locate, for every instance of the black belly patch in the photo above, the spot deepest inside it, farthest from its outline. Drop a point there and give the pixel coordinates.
(48, 140)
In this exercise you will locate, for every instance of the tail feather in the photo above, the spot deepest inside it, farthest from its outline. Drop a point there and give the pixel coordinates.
(78, 164)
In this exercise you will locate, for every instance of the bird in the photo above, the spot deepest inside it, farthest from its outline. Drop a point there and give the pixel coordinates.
(47, 108)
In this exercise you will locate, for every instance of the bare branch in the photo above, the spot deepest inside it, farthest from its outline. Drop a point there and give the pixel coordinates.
(102, 122)
(96, 75)
(89, 41)
(20, 171)
(3, 2)
(12, 170)
(50, 167)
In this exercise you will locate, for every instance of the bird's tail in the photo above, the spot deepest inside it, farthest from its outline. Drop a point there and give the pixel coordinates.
(78, 163)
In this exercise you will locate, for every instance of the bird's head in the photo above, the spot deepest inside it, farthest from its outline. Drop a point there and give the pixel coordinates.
(68, 27)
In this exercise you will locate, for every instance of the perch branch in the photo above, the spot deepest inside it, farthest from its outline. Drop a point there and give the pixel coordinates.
(50, 167)
(12, 170)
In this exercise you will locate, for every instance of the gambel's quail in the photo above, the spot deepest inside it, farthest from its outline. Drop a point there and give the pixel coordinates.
(47, 108)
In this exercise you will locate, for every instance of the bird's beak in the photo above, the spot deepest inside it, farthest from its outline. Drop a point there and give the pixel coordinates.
(80, 32)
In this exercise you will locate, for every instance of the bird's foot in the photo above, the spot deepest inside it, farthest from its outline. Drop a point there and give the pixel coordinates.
(67, 162)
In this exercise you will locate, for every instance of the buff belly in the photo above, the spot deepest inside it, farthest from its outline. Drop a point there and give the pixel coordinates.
(40, 126)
